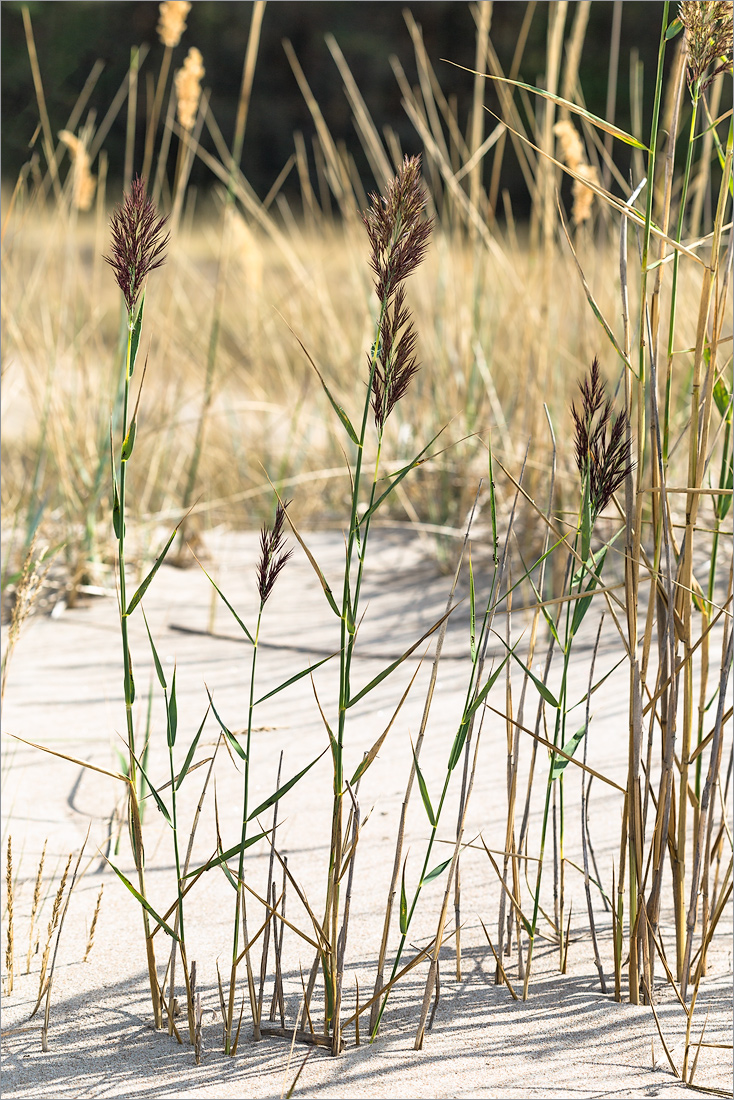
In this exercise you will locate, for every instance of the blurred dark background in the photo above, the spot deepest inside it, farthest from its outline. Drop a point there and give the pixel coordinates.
(70, 37)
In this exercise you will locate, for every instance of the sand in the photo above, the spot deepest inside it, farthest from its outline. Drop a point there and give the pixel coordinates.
(65, 691)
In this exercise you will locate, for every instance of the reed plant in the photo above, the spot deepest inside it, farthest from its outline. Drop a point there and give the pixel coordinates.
(653, 479)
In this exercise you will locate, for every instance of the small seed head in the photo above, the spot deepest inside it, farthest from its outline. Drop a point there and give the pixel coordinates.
(273, 556)
(601, 441)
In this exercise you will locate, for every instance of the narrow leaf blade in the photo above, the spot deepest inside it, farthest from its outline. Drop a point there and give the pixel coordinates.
(146, 583)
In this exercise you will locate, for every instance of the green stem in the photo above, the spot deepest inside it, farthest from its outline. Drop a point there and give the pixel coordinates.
(241, 862)
(136, 831)
(695, 93)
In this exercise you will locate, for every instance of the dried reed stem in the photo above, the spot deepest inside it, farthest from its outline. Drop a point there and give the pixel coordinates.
(35, 905)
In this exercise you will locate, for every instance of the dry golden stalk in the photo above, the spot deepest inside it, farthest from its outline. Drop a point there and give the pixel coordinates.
(36, 905)
(52, 928)
(573, 153)
(90, 941)
(9, 958)
(172, 21)
(188, 87)
(84, 183)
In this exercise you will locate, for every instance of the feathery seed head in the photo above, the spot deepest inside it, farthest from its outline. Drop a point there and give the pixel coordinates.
(708, 28)
(172, 21)
(188, 87)
(601, 442)
(138, 244)
(398, 236)
(273, 556)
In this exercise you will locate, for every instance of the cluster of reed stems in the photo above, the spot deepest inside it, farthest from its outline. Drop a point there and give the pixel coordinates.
(639, 453)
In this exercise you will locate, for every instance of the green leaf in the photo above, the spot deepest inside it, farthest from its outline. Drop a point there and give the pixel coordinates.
(286, 787)
(403, 904)
(116, 517)
(223, 856)
(334, 404)
(674, 28)
(582, 605)
(545, 692)
(226, 601)
(293, 679)
(476, 703)
(391, 668)
(172, 712)
(143, 901)
(398, 477)
(570, 747)
(458, 745)
(437, 871)
(144, 586)
(135, 338)
(156, 660)
(129, 441)
(424, 790)
(601, 123)
(346, 422)
(158, 800)
(227, 733)
(587, 520)
(129, 681)
(492, 503)
(190, 753)
(722, 397)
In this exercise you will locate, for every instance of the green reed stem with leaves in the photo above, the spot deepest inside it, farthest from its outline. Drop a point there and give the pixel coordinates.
(138, 247)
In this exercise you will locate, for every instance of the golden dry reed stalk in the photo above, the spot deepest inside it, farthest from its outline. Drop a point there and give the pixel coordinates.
(36, 905)
(9, 954)
(574, 155)
(52, 927)
(90, 940)
(172, 21)
(187, 81)
(84, 183)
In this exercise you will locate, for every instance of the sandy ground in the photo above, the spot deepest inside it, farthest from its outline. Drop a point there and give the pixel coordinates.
(64, 691)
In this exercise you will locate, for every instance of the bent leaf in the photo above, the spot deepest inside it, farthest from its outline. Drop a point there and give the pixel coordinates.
(403, 903)
(231, 739)
(545, 692)
(135, 338)
(398, 477)
(143, 901)
(226, 855)
(391, 668)
(437, 871)
(146, 583)
(224, 600)
(569, 748)
(293, 679)
(286, 787)
(190, 753)
(424, 791)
